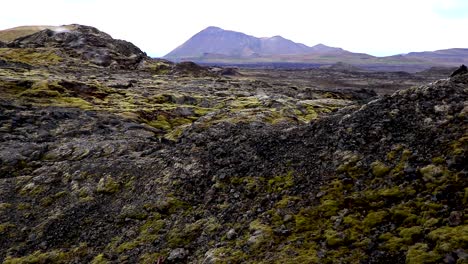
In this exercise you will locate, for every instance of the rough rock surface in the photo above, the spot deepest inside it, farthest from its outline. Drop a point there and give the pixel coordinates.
(156, 165)
(85, 42)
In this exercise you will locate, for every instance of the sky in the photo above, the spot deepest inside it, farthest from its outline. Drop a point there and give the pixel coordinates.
(376, 27)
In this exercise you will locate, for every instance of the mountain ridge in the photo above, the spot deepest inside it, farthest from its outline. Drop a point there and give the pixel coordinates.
(215, 45)
(215, 40)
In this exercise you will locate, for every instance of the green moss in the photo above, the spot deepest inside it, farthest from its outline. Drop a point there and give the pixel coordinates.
(5, 206)
(46, 201)
(334, 238)
(126, 246)
(160, 123)
(430, 172)
(150, 258)
(54, 256)
(286, 201)
(438, 160)
(448, 238)
(35, 56)
(23, 206)
(5, 227)
(262, 235)
(72, 102)
(410, 234)
(291, 254)
(107, 185)
(374, 218)
(32, 189)
(150, 229)
(182, 237)
(99, 259)
(379, 169)
(420, 254)
(179, 121)
(280, 183)
(391, 242)
(329, 207)
(225, 255)
(245, 102)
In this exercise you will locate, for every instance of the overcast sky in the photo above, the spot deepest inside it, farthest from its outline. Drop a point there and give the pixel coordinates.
(372, 26)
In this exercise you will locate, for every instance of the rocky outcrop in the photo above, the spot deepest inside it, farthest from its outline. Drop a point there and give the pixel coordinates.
(461, 70)
(87, 43)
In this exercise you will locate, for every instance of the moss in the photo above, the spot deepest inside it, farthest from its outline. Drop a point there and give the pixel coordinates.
(72, 102)
(182, 237)
(329, 207)
(133, 212)
(150, 258)
(35, 56)
(398, 169)
(261, 237)
(291, 254)
(245, 102)
(46, 201)
(420, 254)
(150, 229)
(379, 169)
(374, 218)
(5, 227)
(334, 238)
(430, 172)
(211, 226)
(99, 259)
(179, 121)
(438, 160)
(431, 222)
(160, 123)
(410, 234)
(5, 206)
(126, 246)
(448, 238)
(306, 220)
(107, 185)
(280, 183)
(391, 242)
(54, 256)
(40, 93)
(23, 206)
(32, 189)
(286, 201)
(225, 255)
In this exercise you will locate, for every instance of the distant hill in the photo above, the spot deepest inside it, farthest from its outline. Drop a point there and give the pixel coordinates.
(446, 56)
(11, 34)
(214, 42)
(214, 45)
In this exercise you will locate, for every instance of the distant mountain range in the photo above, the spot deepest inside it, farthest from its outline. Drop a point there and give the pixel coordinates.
(214, 41)
(214, 45)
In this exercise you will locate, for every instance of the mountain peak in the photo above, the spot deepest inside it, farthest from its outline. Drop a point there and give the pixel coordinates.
(212, 29)
(216, 41)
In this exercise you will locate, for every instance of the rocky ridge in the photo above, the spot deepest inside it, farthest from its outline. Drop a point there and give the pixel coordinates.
(176, 165)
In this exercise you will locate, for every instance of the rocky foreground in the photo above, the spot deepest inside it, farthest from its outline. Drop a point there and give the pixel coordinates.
(109, 156)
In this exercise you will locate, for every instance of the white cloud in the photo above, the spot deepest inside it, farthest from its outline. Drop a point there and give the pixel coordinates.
(376, 27)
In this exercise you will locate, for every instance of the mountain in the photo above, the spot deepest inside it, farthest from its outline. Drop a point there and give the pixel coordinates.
(214, 41)
(214, 45)
(442, 57)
